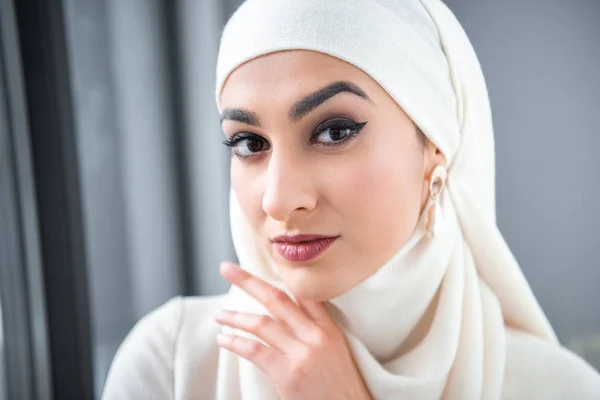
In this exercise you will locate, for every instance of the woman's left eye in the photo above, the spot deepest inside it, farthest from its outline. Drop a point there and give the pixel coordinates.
(336, 132)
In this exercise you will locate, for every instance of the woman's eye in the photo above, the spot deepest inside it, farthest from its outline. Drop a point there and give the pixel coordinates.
(332, 135)
(336, 132)
(246, 145)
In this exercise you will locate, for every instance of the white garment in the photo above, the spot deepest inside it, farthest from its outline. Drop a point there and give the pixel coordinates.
(172, 354)
(484, 334)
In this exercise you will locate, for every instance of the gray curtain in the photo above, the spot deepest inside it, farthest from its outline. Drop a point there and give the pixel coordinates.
(200, 28)
(154, 173)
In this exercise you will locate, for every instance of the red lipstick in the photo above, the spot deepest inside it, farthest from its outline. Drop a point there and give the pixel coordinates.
(302, 247)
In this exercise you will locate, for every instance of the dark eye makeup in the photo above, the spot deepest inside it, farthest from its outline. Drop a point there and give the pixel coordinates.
(331, 133)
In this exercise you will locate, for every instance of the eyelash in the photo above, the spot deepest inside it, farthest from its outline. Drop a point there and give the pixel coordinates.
(342, 124)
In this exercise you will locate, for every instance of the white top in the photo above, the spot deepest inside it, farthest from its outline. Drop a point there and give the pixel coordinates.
(172, 354)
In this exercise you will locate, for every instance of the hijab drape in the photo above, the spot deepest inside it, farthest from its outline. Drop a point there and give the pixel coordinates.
(431, 322)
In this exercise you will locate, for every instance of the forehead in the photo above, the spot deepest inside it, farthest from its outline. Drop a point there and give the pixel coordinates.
(276, 76)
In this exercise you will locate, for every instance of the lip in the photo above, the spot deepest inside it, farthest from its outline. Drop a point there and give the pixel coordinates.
(303, 247)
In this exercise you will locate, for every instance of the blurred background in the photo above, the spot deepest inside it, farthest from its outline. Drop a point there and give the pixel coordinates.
(114, 182)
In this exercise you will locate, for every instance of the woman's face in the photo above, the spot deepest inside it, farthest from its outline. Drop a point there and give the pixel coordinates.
(345, 163)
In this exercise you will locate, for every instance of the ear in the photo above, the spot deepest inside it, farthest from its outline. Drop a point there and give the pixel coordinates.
(432, 157)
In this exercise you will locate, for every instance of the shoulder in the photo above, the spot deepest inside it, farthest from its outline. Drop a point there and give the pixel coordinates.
(536, 369)
(146, 364)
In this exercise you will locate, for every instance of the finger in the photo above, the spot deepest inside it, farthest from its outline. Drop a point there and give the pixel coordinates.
(268, 359)
(261, 326)
(277, 302)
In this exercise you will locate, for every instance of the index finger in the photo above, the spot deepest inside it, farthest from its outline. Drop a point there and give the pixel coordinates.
(278, 303)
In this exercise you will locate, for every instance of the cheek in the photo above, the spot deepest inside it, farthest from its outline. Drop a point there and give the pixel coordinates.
(379, 198)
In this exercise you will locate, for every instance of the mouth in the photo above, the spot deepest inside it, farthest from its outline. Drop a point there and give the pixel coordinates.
(302, 247)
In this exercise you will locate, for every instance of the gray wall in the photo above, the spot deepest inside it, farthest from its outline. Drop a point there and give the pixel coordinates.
(541, 61)
(2, 373)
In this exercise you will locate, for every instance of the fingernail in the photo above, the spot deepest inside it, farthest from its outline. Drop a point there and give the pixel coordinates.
(225, 265)
(222, 314)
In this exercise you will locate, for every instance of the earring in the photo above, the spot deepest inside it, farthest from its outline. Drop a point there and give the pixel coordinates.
(434, 212)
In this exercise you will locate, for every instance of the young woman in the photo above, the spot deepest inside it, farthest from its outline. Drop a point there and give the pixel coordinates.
(363, 216)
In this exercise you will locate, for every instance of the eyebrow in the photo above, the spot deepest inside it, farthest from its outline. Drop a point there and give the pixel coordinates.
(301, 107)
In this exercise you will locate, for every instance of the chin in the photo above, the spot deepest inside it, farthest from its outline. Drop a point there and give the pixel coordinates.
(309, 283)
(310, 294)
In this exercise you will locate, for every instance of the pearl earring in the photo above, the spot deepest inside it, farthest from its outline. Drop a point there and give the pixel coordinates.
(434, 212)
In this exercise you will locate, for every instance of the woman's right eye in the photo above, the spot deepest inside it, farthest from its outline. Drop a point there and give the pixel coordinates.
(246, 145)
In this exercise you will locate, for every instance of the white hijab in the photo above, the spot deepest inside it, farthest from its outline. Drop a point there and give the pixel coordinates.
(418, 52)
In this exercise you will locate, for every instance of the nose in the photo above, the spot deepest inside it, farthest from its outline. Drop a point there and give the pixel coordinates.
(289, 188)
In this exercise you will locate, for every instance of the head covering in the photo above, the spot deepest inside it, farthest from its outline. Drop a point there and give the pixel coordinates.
(430, 323)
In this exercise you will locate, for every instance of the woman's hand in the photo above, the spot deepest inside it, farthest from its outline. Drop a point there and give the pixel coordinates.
(307, 357)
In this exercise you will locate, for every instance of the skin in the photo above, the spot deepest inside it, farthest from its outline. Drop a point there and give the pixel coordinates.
(307, 357)
(369, 191)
